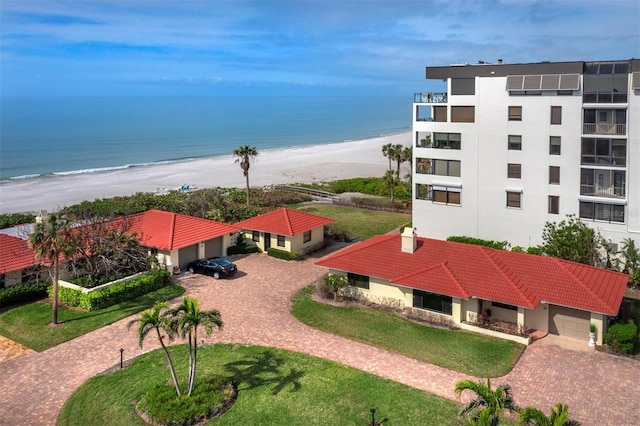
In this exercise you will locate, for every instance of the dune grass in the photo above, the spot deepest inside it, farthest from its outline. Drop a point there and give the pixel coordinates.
(29, 324)
(275, 387)
(467, 353)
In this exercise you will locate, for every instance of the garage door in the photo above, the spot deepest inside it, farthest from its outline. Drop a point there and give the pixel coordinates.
(569, 322)
(187, 255)
(213, 248)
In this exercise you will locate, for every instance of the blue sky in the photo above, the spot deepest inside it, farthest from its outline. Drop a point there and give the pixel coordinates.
(233, 47)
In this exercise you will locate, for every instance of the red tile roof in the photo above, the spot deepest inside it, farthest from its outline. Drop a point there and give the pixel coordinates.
(170, 231)
(285, 222)
(465, 271)
(15, 254)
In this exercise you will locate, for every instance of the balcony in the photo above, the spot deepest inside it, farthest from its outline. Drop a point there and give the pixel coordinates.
(603, 191)
(604, 129)
(430, 98)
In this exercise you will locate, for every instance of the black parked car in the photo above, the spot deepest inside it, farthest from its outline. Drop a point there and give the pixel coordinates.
(215, 266)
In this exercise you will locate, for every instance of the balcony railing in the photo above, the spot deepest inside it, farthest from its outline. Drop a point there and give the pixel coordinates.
(430, 98)
(604, 129)
(603, 191)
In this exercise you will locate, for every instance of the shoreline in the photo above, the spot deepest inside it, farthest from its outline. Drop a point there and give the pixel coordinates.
(301, 164)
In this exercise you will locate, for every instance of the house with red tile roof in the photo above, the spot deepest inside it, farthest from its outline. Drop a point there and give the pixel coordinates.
(17, 261)
(178, 239)
(481, 289)
(286, 229)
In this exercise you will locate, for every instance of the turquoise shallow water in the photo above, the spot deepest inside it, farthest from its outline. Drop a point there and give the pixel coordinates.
(44, 136)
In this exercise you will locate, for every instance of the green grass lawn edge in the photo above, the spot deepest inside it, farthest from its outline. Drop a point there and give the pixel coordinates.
(461, 351)
(29, 324)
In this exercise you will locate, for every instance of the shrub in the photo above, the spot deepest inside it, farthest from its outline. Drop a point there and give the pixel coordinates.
(117, 293)
(243, 250)
(8, 220)
(337, 233)
(282, 254)
(622, 338)
(501, 245)
(23, 292)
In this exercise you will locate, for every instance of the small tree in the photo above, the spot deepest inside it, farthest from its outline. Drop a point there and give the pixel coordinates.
(573, 240)
(187, 317)
(155, 319)
(244, 156)
(631, 257)
(488, 402)
(390, 179)
(51, 243)
(559, 416)
(335, 283)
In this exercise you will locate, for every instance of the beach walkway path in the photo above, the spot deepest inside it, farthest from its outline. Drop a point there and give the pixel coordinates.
(600, 389)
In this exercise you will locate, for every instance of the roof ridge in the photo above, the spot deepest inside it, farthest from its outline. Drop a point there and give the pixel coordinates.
(172, 230)
(376, 239)
(450, 272)
(485, 251)
(562, 264)
(288, 220)
(442, 265)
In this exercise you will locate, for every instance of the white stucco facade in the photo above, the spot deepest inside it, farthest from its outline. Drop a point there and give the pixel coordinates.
(469, 198)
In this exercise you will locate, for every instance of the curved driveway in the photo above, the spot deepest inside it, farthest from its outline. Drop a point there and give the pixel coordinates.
(600, 389)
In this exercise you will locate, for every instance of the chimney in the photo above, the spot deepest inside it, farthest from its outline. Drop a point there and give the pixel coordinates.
(409, 241)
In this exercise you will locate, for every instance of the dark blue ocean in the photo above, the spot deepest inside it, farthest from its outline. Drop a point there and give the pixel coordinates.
(46, 136)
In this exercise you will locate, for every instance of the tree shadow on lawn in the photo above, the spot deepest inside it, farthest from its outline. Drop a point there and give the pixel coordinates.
(264, 369)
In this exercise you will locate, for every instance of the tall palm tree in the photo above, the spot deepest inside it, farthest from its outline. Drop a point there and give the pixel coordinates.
(407, 155)
(390, 179)
(154, 319)
(244, 156)
(559, 416)
(387, 152)
(187, 318)
(396, 151)
(495, 401)
(51, 243)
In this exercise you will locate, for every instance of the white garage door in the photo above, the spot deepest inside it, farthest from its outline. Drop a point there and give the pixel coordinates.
(187, 254)
(569, 322)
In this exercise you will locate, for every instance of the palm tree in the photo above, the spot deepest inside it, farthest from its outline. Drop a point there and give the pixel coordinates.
(187, 318)
(407, 155)
(154, 319)
(559, 416)
(397, 155)
(495, 401)
(244, 155)
(387, 152)
(50, 241)
(390, 179)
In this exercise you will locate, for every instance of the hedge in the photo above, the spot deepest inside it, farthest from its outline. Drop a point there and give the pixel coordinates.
(501, 245)
(622, 338)
(23, 292)
(282, 254)
(117, 293)
(243, 250)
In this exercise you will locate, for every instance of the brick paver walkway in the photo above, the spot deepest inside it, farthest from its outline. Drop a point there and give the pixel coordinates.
(600, 389)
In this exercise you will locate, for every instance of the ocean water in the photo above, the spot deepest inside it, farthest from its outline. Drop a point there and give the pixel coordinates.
(49, 136)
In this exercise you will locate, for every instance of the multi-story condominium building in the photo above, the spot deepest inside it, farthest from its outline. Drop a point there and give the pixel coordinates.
(509, 147)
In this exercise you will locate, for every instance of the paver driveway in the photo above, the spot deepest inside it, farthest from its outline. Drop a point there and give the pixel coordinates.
(600, 389)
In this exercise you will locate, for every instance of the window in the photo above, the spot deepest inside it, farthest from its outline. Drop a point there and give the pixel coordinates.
(604, 151)
(306, 237)
(463, 114)
(440, 114)
(504, 306)
(446, 140)
(554, 204)
(515, 113)
(3, 281)
(554, 145)
(602, 211)
(515, 142)
(446, 196)
(605, 82)
(513, 199)
(554, 175)
(514, 171)
(463, 86)
(423, 192)
(603, 183)
(255, 236)
(280, 240)
(556, 115)
(428, 166)
(357, 280)
(432, 302)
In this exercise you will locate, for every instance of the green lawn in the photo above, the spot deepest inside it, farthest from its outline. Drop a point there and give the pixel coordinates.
(361, 224)
(276, 387)
(467, 353)
(28, 324)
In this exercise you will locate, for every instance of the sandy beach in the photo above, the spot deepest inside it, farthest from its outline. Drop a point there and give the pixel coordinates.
(319, 163)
